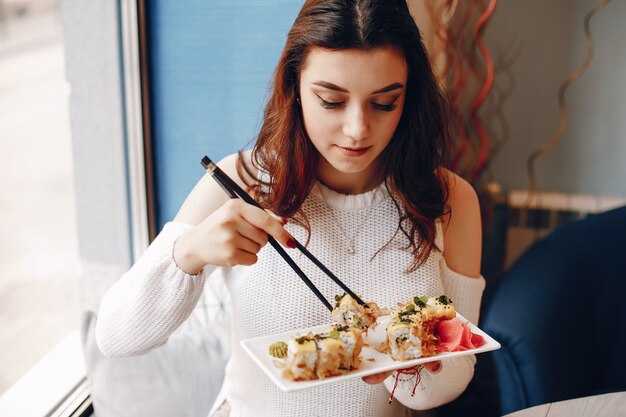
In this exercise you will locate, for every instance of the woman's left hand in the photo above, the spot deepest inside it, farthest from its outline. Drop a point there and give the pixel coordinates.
(432, 367)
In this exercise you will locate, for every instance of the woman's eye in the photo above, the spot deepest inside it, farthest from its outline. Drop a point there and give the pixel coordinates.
(385, 107)
(329, 104)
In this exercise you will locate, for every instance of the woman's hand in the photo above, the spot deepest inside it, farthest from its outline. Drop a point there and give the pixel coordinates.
(432, 367)
(231, 235)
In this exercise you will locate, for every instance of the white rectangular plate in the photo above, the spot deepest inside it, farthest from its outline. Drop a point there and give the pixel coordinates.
(372, 361)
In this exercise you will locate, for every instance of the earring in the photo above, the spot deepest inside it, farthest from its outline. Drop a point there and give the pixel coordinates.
(298, 100)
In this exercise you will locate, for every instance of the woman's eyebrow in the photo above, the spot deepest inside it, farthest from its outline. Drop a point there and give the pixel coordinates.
(390, 87)
(334, 87)
(330, 86)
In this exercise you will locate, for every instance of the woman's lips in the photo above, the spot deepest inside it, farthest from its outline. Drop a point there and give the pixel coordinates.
(353, 151)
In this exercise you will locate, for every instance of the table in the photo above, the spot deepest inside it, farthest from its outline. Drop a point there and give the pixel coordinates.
(605, 405)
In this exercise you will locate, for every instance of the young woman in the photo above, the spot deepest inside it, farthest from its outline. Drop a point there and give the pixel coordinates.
(350, 158)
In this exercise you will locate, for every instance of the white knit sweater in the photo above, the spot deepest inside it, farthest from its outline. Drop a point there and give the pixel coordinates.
(152, 299)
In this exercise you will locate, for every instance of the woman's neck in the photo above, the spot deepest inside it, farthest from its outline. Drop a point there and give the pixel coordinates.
(349, 183)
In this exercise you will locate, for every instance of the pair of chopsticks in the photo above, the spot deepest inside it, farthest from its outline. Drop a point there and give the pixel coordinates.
(233, 190)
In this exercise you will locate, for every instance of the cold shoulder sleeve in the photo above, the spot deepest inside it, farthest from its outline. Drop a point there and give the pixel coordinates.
(466, 292)
(144, 307)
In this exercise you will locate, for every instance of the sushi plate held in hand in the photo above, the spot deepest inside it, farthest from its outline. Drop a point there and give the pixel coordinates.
(372, 360)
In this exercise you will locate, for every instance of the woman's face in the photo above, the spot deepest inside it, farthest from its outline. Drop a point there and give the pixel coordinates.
(351, 102)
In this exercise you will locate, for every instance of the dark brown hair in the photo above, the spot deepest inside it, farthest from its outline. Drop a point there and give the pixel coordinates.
(419, 147)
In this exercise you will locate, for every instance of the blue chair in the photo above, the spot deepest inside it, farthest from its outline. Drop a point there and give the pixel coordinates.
(560, 315)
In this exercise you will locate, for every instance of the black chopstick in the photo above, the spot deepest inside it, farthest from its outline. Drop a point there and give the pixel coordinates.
(233, 190)
(332, 276)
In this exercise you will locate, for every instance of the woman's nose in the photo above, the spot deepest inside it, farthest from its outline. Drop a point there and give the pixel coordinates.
(356, 124)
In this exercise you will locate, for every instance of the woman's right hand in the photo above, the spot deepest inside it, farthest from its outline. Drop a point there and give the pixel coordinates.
(231, 235)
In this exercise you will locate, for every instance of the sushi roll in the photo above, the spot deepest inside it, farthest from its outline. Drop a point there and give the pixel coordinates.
(301, 359)
(319, 356)
(348, 312)
(444, 309)
(411, 332)
(420, 309)
(331, 355)
(352, 341)
(403, 343)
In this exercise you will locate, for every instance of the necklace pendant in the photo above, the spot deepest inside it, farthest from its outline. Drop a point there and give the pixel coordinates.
(351, 250)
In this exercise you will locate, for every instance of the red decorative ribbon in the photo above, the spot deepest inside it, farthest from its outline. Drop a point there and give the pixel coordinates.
(414, 370)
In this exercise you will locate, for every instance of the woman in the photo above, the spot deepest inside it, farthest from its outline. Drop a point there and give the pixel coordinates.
(350, 159)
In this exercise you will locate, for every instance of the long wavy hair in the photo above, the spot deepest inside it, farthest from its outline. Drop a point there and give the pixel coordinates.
(419, 148)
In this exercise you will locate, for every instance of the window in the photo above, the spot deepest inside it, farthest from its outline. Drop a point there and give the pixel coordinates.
(39, 272)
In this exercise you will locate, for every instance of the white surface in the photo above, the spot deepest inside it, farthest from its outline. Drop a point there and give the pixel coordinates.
(606, 405)
(372, 361)
(48, 382)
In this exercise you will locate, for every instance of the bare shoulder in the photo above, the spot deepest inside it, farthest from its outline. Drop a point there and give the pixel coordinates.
(462, 227)
(207, 196)
(461, 194)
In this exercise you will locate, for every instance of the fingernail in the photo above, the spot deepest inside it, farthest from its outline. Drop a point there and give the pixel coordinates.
(437, 367)
(291, 243)
(283, 220)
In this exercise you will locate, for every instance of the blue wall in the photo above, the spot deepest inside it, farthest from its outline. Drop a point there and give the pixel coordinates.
(211, 65)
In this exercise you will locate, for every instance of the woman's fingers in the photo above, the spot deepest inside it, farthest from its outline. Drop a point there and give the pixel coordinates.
(253, 233)
(376, 378)
(433, 367)
(266, 222)
(281, 220)
(231, 236)
(246, 244)
(242, 257)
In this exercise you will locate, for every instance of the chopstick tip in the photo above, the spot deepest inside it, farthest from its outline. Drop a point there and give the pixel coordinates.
(207, 163)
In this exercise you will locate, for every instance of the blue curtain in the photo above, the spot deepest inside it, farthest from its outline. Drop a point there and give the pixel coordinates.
(211, 64)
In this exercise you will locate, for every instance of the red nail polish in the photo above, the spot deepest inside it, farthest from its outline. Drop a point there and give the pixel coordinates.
(283, 220)
(291, 243)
